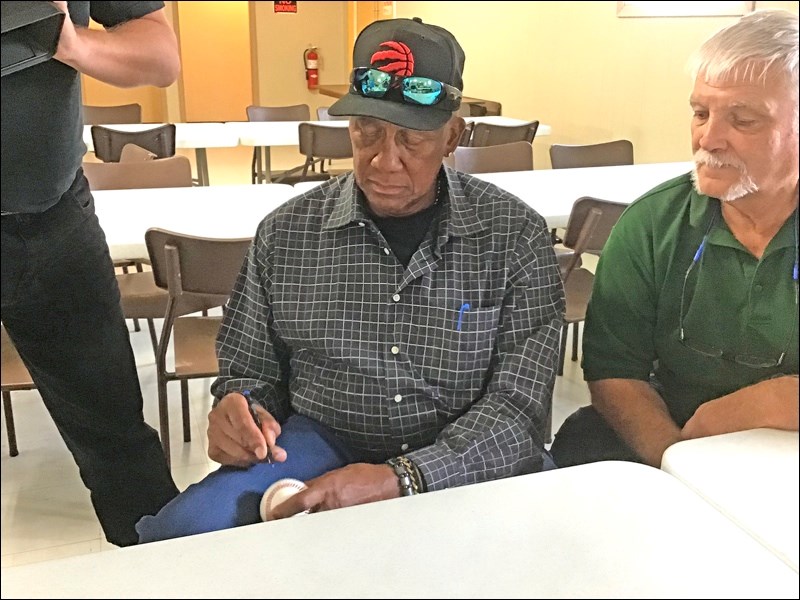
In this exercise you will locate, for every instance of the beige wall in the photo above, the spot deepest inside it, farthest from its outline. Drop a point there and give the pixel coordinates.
(573, 65)
(578, 67)
(280, 41)
(215, 55)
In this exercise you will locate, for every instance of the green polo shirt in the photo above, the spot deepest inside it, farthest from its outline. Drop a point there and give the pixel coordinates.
(733, 302)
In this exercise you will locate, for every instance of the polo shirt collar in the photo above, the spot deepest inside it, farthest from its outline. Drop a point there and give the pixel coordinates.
(702, 209)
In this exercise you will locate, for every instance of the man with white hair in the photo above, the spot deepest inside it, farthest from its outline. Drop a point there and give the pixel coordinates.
(692, 329)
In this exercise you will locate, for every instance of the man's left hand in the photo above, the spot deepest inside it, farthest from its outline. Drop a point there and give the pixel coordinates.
(359, 483)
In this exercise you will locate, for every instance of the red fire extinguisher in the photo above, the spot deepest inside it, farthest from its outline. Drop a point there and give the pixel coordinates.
(311, 61)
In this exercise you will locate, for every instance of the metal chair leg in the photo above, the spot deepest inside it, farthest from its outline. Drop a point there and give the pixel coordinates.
(187, 429)
(10, 429)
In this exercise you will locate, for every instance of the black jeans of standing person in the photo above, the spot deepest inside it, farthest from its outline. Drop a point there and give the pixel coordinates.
(61, 308)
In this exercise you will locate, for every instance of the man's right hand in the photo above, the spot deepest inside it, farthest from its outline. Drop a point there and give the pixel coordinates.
(234, 439)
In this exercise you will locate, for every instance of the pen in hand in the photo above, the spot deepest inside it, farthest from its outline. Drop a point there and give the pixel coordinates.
(254, 413)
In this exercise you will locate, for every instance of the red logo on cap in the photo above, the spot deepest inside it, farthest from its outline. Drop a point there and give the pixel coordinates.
(401, 61)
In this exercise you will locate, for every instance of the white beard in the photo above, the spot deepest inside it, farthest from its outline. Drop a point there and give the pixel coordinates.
(738, 190)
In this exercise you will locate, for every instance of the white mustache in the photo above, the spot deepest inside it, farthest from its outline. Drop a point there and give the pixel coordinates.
(743, 187)
(704, 157)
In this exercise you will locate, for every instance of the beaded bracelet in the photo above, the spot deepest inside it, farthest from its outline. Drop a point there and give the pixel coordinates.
(416, 476)
(407, 487)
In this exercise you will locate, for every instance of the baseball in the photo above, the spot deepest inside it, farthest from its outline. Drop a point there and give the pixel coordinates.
(277, 493)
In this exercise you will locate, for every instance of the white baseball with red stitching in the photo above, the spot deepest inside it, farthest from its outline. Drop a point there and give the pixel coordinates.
(278, 493)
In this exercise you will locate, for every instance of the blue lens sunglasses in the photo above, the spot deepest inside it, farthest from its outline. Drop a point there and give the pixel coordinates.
(420, 91)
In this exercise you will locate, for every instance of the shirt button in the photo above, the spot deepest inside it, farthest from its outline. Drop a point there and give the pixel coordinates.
(404, 447)
(361, 223)
(395, 350)
(386, 251)
(396, 297)
(758, 288)
(398, 398)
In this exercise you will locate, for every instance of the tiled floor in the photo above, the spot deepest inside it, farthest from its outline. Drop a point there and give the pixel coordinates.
(46, 512)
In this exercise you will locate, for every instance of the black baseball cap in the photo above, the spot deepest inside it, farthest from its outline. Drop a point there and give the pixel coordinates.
(405, 47)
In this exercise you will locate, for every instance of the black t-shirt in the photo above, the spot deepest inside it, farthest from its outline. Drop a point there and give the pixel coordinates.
(42, 124)
(405, 234)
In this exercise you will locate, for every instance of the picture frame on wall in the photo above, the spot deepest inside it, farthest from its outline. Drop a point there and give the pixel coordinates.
(676, 8)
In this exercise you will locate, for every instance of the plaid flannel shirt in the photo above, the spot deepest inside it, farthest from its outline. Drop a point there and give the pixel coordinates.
(450, 362)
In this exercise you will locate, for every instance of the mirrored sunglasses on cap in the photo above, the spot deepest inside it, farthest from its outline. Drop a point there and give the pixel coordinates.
(422, 91)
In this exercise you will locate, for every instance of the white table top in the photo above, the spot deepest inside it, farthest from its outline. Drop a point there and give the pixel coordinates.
(187, 135)
(272, 133)
(752, 477)
(601, 530)
(284, 133)
(228, 211)
(235, 210)
(551, 192)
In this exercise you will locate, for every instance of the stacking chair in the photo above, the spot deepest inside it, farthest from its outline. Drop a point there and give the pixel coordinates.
(490, 108)
(471, 109)
(515, 156)
(139, 295)
(108, 115)
(605, 154)
(490, 134)
(590, 223)
(108, 142)
(175, 171)
(294, 112)
(134, 153)
(324, 115)
(15, 377)
(466, 135)
(188, 268)
(318, 143)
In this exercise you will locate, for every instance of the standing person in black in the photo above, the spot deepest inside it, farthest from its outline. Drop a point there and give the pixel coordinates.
(60, 301)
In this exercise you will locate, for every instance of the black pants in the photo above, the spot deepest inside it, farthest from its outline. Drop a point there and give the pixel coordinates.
(60, 306)
(585, 437)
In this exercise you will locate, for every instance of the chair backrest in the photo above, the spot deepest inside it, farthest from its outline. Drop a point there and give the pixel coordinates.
(516, 156)
(108, 143)
(323, 141)
(491, 134)
(585, 233)
(295, 112)
(489, 108)
(466, 135)
(134, 153)
(107, 115)
(187, 264)
(318, 143)
(175, 171)
(581, 210)
(324, 115)
(605, 154)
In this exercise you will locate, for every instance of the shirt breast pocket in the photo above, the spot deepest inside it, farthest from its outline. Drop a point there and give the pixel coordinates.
(465, 351)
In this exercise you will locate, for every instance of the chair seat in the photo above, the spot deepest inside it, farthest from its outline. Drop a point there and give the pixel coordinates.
(578, 290)
(15, 374)
(194, 343)
(141, 298)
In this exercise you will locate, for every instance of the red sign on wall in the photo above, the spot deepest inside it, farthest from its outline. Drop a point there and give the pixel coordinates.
(285, 6)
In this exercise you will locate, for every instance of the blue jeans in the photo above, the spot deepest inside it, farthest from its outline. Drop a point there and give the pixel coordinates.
(61, 309)
(230, 496)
